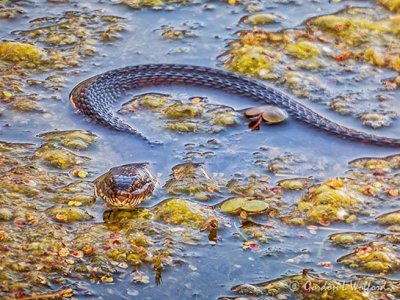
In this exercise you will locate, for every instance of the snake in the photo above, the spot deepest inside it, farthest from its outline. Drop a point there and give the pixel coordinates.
(126, 186)
(96, 97)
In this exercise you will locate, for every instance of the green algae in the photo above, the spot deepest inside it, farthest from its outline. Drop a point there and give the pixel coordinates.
(68, 214)
(259, 19)
(59, 157)
(314, 286)
(325, 203)
(26, 54)
(302, 50)
(191, 179)
(182, 212)
(374, 257)
(192, 115)
(392, 5)
(348, 238)
(72, 139)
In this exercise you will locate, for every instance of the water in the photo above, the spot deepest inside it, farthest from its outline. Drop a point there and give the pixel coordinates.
(216, 268)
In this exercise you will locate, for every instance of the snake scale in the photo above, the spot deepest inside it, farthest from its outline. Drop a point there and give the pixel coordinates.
(97, 96)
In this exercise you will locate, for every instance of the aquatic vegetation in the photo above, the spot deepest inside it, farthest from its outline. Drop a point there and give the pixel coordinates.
(374, 257)
(327, 44)
(312, 286)
(377, 120)
(252, 195)
(193, 180)
(251, 186)
(59, 157)
(195, 114)
(68, 214)
(392, 5)
(72, 139)
(390, 218)
(294, 183)
(249, 205)
(285, 163)
(54, 43)
(259, 19)
(302, 50)
(137, 4)
(10, 12)
(182, 212)
(325, 203)
(269, 113)
(75, 34)
(348, 238)
(171, 33)
(79, 193)
(261, 234)
(49, 238)
(25, 54)
(252, 60)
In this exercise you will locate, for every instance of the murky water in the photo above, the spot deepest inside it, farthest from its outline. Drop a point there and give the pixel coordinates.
(209, 271)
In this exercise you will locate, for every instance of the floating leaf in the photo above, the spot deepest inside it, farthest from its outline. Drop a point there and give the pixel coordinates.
(254, 206)
(233, 205)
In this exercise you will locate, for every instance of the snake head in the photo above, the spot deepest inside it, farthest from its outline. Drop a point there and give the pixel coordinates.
(126, 186)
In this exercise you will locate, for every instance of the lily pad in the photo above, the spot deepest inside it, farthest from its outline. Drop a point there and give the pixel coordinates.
(255, 206)
(233, 205)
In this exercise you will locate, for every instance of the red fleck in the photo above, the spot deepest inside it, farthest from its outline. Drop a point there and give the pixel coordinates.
(342, 56)
(379, 173)
(324, 222)
(369, 191)
(276, 190)
(326, 264)
(340, 26)
(115, 235)
(116, 243)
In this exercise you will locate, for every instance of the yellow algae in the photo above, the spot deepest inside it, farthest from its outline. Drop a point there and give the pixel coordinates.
(24, 53)
(374, 257)
(250, 60)
(73, 139)
(182, 126)
(181, 212)
(59, 157)
(259, 19)
(302, 50)
(392, 5)
(374, 57)
(68, 214)
(325, 203)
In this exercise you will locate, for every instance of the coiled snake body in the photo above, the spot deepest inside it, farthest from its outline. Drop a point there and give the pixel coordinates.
(97, 96)
(127, 186)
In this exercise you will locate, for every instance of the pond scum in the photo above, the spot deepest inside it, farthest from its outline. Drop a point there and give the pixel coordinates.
(49, 234)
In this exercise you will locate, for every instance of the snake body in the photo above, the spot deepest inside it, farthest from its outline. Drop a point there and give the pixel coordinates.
(129, 185)
(97, 96)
